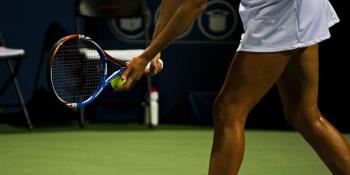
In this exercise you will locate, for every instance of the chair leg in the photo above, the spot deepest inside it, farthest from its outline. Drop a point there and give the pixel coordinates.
(82, 118)
(148, 104)
(19, 94)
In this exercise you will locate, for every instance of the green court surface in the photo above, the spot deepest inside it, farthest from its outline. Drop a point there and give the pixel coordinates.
(132, 149)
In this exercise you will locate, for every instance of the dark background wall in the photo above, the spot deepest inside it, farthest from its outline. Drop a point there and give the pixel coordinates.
(195, 66)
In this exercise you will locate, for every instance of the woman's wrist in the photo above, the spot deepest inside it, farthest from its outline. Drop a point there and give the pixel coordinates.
(148, 55)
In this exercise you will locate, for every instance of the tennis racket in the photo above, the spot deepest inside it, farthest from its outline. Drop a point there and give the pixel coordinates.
(78, 70)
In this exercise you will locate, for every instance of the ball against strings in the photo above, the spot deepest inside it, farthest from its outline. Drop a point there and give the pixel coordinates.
(117, 82)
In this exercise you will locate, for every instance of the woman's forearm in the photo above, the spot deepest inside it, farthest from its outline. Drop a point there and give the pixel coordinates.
(167, 10)
(176, 16)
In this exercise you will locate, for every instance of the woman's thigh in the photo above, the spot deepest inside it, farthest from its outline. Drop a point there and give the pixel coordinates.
(249, 77)
(298, 85)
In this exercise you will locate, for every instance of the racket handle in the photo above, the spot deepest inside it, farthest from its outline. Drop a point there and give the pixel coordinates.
(122, 63)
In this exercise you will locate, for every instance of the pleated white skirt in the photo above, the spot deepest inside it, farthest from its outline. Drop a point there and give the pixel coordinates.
(277, 25)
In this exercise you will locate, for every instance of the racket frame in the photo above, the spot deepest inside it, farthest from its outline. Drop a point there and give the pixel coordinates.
(103, 57)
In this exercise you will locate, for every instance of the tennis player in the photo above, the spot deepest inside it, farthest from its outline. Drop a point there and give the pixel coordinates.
(279, 46)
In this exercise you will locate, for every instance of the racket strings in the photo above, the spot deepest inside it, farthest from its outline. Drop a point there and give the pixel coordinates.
(77, 70)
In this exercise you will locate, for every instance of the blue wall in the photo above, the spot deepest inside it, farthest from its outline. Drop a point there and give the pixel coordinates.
(195, 64)
(23, 25)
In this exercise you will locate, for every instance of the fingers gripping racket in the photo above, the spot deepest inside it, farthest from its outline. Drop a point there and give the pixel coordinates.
(78, 70)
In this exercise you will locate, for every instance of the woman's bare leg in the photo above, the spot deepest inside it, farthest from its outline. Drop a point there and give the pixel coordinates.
(298, 86)
(248, 79)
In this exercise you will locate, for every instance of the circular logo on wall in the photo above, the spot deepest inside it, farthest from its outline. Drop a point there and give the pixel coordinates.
(129, 28)
(219, 21)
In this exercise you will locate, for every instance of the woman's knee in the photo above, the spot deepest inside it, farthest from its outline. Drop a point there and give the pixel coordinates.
(227, 113)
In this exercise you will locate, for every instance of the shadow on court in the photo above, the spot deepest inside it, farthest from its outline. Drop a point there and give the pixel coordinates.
(16, 127)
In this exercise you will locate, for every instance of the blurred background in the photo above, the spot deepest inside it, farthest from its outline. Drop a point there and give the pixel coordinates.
(194, 67)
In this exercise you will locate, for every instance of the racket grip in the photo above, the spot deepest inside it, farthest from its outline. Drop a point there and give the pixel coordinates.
(146, 68)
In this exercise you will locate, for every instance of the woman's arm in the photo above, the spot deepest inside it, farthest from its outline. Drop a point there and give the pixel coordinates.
(175, 17)
(167, 10)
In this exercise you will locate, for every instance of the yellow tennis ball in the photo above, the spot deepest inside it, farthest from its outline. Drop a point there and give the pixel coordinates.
(117, 82)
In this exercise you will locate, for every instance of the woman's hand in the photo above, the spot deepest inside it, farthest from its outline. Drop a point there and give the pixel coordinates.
(156, 66)
(136, 68)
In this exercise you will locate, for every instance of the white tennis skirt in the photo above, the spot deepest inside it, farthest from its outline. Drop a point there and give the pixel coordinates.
(277, 25)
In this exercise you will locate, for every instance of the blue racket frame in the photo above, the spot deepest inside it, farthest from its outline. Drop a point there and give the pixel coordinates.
(104, 81)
